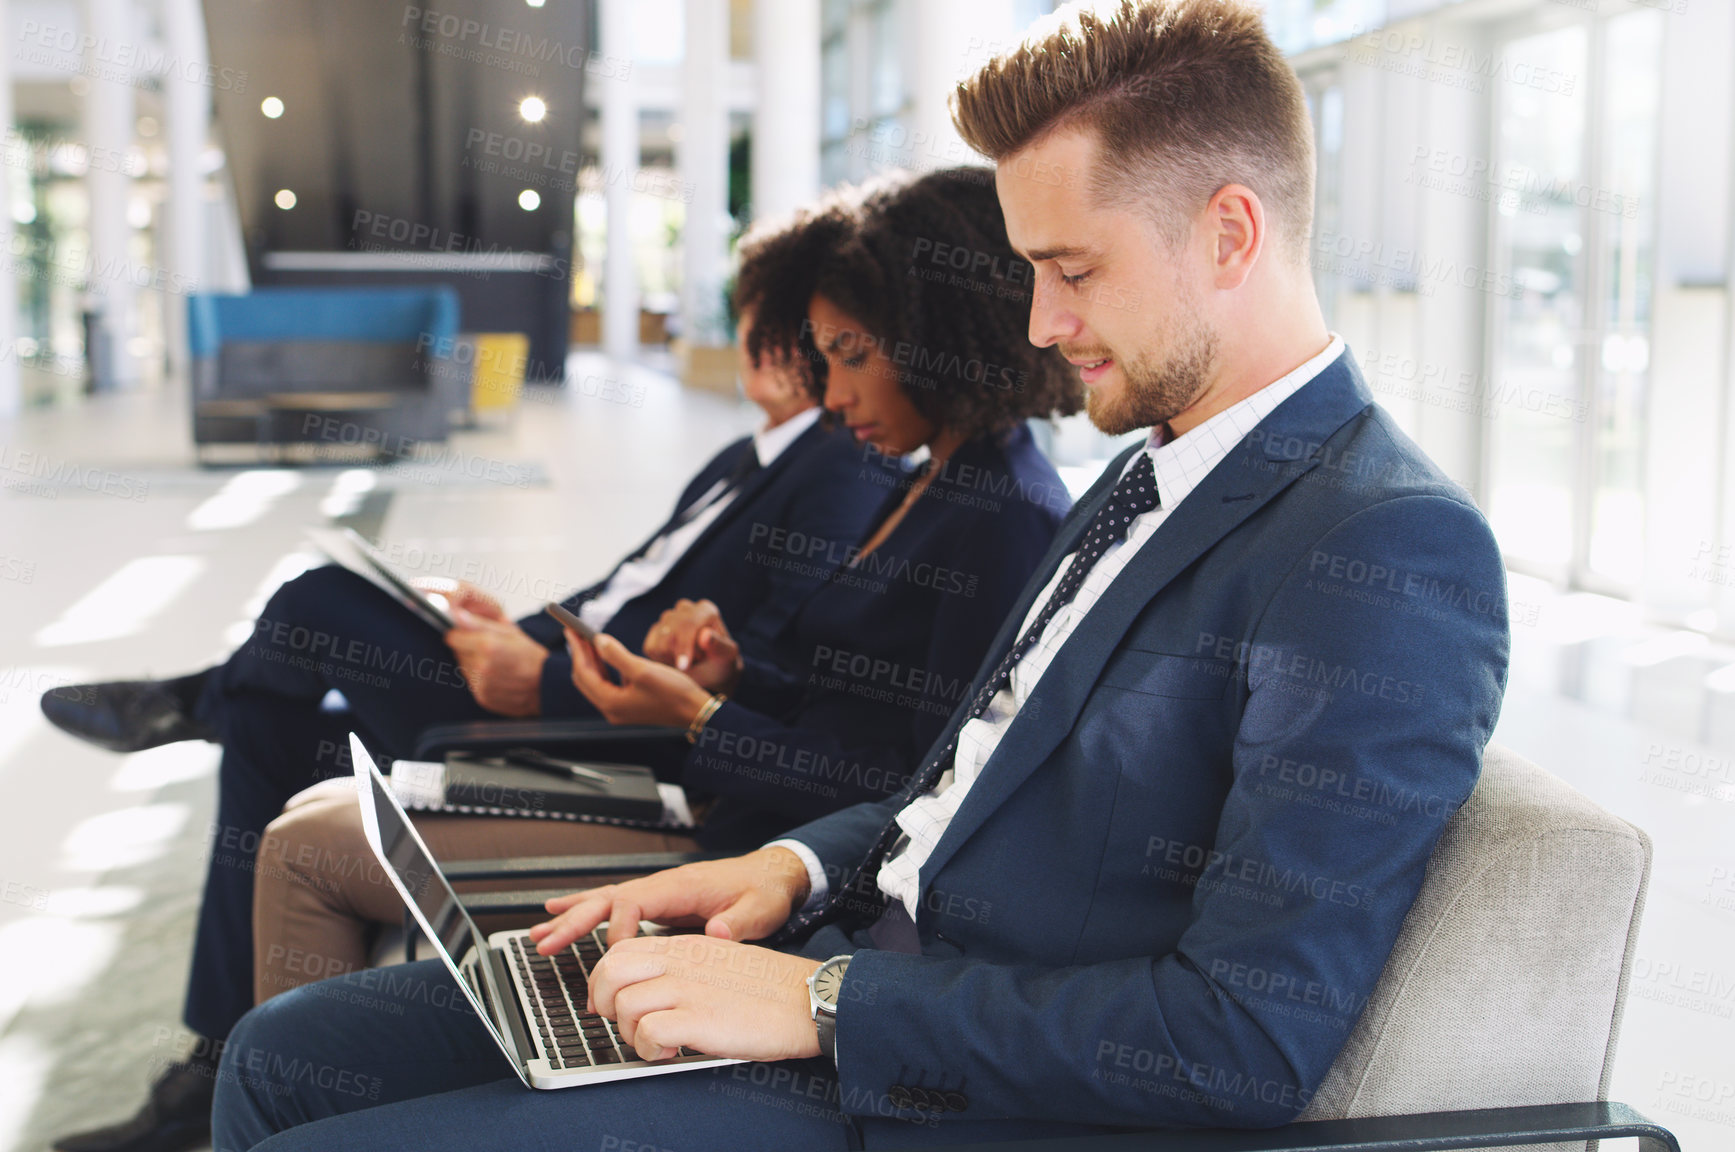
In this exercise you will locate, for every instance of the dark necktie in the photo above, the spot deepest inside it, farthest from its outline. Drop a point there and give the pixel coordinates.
(1133, 496)
(744, 467)
(743, 470)
(739, 474)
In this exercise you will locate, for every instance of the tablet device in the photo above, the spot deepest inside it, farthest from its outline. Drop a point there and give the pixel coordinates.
(347, 548)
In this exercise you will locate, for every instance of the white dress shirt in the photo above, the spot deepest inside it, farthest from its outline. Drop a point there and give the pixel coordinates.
(1179, 465)
(638, 576)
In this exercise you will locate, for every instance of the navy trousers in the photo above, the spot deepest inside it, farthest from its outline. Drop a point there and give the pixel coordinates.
(326, 629)
(394, 1058)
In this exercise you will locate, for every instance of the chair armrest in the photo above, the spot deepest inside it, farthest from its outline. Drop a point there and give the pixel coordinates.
(594, 739)
(1422, 1132)
(530, 901)
(539, 867)
(535, 867)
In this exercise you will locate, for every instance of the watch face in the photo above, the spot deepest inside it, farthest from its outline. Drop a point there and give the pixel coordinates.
(827, 982)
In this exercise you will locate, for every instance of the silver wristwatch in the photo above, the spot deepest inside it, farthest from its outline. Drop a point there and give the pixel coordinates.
(823, 988)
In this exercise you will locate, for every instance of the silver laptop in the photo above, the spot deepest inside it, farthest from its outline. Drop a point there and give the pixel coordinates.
(532, 1005)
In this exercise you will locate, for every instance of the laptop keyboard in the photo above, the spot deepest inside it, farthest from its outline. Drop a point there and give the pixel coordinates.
(557, 988)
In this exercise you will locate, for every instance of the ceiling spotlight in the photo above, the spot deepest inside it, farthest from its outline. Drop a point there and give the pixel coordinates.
(529, 200)
(533, 109)
(285, 199)
(272, 107)
(535, 3)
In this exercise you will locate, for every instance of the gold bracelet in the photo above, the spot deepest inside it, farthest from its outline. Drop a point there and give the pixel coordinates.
(706, 711)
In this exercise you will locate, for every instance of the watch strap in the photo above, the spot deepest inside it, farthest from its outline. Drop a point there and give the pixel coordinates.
(827, 1024)
(825, 1016)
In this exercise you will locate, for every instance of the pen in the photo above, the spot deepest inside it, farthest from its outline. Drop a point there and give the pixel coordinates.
(532, 758)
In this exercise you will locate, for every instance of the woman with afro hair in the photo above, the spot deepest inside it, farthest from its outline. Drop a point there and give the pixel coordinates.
(903, 308)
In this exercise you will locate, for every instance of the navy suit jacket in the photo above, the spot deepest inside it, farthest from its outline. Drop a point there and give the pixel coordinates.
(1169, 894)
(815, 487)
(873, 664)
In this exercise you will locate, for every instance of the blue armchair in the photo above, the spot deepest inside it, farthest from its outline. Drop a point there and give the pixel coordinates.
(350, 368)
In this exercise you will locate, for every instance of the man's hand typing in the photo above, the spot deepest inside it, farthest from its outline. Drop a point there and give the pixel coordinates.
(741, 898)
(716, 996)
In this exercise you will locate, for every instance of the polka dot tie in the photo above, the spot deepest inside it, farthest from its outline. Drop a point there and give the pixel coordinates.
(1133, 496)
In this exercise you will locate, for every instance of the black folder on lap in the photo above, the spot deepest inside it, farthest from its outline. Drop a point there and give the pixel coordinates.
(498, 785)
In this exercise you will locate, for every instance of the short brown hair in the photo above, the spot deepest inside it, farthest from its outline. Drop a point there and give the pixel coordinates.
(1185, 97)
(886, 253)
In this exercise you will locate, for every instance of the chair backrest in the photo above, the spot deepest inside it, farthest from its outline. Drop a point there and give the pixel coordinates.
(1509, 976)
(426, 317)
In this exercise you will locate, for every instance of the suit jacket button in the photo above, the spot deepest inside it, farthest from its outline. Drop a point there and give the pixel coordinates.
(899, 1096)
(957, 1101)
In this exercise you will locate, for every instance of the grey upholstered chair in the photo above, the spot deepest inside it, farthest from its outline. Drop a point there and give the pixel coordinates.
(1508, 980)
(1494, 1023)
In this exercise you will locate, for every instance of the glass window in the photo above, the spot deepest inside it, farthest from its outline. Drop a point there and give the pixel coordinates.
(889, 51)
(1570, 347)
(1027, 12)
(834, 88)
(1297, 25)
(834, 17)
(1325, 105)
(659, 31)
(1538, 306)
(1630, 96)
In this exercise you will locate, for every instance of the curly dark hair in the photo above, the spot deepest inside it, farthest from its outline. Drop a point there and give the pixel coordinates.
(924, 265)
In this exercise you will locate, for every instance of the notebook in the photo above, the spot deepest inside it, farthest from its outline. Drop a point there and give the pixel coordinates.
(490, 786)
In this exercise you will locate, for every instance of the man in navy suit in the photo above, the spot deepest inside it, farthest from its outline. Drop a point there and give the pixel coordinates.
(1153, 868)
(331, 630)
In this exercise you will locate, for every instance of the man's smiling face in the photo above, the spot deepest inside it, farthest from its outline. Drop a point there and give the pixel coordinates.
(1123, 302)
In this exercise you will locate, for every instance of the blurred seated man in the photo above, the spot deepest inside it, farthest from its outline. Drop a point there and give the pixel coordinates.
(330, 629)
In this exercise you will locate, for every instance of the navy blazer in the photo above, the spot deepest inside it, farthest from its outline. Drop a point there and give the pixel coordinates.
(1167, 897)
(876, 660)
(813, 488)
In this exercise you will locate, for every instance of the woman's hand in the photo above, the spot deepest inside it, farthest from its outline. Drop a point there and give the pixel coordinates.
(692, 638)
(648, 692)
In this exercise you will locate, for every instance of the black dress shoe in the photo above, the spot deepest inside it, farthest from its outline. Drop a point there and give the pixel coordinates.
(175, 1118)
(122, 715)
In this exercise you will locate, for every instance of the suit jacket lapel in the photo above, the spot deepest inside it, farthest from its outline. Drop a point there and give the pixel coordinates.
(754, 484)
(750, 489)
(1065, 543)
(719, 467)
(1280, 449)
(1066, 540)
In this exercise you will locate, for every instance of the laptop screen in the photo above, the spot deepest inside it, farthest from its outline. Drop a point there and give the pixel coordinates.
(408, 857)
(420, 882)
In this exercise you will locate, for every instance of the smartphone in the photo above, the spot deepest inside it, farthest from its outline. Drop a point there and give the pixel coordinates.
(585, 631)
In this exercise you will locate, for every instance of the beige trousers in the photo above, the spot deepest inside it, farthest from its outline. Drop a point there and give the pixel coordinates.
(319, 894)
